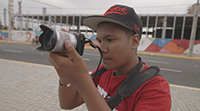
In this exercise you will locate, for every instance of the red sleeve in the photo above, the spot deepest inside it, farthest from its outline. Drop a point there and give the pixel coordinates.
(154, 96)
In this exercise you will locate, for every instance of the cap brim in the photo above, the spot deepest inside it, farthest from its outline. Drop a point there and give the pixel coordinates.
(93, 21)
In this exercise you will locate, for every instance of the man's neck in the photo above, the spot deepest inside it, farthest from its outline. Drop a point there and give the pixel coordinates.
(126, 69)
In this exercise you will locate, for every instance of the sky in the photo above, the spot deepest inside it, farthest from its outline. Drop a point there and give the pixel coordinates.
(98, 6)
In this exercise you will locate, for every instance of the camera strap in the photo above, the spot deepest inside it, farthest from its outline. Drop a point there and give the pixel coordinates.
(98, 72)
(134, 81)
(130, 85)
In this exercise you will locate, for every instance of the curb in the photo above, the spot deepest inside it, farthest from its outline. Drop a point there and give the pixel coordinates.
(169, 55)
(15, 42)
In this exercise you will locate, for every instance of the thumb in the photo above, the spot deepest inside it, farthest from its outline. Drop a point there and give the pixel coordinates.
(71, 50)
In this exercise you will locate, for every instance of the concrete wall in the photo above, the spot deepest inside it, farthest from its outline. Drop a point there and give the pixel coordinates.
(22, 36)
(3, 34)
(170, 46)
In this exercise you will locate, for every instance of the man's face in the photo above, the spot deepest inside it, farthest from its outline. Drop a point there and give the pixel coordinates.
(116, 46)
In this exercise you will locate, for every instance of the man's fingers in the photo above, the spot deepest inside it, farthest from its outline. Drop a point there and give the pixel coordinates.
(72, 51)
(56, 59)
(51, 58)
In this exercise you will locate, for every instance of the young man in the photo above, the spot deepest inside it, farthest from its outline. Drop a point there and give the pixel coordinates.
(118, 33)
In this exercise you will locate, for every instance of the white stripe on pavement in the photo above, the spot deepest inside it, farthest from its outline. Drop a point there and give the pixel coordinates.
(15, 51)
(184, 87)
(161, 62)
(85, 59)
(91, 54)
(172, 70)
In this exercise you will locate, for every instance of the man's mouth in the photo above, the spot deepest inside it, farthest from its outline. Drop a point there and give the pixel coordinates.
(106, 59)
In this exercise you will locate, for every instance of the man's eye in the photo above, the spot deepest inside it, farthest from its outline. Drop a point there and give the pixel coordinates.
(110, 40)
(99, 41)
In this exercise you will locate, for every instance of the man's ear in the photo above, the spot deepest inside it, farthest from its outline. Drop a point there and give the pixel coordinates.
(134, 41)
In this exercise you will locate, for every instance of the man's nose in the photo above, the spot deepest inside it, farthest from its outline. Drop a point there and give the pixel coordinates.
(103, 47)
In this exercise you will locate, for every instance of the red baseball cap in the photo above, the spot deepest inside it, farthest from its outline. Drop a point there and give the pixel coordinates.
(118, 14)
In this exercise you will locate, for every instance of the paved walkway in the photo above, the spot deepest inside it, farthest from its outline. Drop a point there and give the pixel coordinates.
(33, 87)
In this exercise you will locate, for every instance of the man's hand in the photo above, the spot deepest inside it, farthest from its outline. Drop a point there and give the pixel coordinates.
(70, 67)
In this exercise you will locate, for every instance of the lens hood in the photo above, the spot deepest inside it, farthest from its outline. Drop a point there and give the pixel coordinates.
(47, 39)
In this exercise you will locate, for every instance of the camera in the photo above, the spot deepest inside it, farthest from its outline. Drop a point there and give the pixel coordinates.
(53, 40)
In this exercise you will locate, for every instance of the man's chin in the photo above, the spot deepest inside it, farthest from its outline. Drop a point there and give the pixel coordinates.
(108, 67)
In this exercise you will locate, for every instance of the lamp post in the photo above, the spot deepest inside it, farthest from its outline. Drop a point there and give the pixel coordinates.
(10, 11)
(193, 32)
